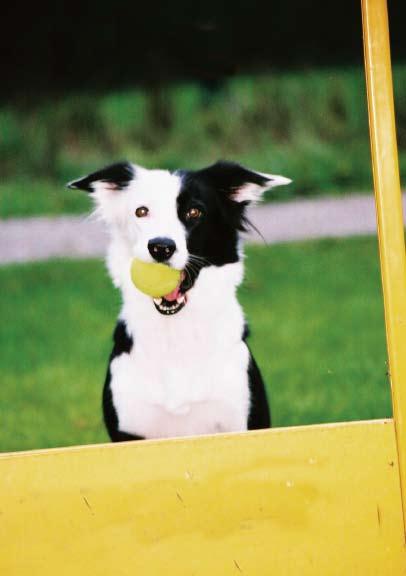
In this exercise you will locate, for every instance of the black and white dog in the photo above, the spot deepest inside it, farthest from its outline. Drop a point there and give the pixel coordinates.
(180, 364)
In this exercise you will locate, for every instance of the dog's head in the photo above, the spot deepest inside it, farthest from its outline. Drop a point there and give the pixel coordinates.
(185, 219)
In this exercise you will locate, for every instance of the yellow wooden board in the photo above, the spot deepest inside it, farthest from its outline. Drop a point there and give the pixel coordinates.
(388, 208)
(310, 500)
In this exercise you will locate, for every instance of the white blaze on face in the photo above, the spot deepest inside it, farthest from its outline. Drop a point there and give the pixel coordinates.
(157, 190)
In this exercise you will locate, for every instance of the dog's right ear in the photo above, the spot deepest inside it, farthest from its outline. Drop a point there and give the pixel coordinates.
(239, 183)
(114, 177)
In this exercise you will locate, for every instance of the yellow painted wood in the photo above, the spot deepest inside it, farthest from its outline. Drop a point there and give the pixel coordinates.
(319, 500)
(389, 210)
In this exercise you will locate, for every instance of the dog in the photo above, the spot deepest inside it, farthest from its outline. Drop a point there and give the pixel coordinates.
(180, 364)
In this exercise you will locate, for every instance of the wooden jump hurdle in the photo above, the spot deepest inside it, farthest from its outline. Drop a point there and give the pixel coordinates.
(308, 500)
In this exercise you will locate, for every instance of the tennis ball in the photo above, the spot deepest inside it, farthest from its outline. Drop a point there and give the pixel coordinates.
(156, 280)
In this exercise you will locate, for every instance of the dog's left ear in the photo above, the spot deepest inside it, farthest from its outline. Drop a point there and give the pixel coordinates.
(241, 184)
(114, 177)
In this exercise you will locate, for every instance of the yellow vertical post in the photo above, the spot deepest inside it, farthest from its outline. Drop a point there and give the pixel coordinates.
(389, 210)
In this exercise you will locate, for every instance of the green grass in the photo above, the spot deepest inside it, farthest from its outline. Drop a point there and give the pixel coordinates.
(310, 125)
(317, 332)
(23, 197)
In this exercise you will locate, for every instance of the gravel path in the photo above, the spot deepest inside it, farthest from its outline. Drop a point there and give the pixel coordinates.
(41, 238)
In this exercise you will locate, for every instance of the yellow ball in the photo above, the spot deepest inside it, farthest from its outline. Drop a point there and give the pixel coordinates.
(156, 280)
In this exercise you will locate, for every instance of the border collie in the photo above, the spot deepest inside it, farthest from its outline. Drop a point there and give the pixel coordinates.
(180, 364)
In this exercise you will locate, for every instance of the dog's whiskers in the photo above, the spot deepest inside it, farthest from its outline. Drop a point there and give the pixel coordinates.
(198, 259)
(189, 277)
(195, 269)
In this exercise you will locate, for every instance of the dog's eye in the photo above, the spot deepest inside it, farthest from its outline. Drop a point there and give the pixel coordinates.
(141, 212)
(193, 214)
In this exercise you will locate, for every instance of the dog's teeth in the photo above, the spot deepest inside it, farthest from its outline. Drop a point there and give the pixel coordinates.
(170, 308)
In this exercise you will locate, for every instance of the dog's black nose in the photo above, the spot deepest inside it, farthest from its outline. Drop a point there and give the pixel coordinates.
(161, 249)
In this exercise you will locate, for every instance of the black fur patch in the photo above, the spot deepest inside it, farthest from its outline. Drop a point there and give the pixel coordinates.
(259, 415)
(122, 343)
(213, 238)
(118, 175)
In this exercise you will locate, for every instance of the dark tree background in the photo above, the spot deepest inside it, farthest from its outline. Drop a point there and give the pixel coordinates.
(61, 46)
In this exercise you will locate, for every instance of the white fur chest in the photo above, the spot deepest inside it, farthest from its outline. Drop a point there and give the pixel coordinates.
(186, 374)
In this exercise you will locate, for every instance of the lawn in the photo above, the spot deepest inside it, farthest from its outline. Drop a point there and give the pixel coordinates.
(310, 125)
(315, 311)
(39, 197)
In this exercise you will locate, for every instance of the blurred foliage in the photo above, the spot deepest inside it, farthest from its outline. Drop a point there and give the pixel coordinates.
(310, 125)
(315, 312)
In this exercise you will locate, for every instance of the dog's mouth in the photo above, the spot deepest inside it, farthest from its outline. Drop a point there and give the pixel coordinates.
(174, 301)
(169, 307)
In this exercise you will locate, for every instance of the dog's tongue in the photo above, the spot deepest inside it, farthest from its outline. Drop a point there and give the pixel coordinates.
(174, 295)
